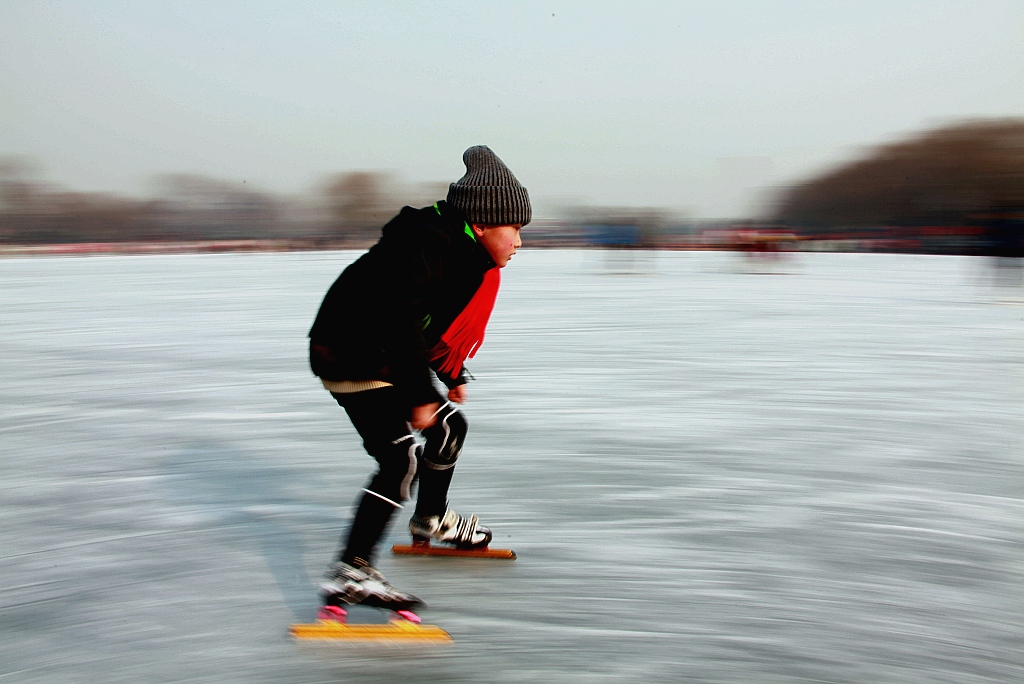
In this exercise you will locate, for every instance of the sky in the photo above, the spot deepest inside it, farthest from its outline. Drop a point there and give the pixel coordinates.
(703, 108)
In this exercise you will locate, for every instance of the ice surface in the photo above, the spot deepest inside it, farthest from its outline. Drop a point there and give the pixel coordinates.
(709, 475)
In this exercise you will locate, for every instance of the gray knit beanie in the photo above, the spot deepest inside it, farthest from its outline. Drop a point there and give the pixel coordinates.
(489, 194)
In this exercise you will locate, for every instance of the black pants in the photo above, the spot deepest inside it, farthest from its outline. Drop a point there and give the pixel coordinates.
(381, 419)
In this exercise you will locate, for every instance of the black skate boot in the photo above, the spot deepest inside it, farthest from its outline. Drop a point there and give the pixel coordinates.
(451, 528)
(346, 585)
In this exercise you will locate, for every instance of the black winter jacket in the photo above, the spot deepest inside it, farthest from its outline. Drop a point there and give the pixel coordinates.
(386, 312)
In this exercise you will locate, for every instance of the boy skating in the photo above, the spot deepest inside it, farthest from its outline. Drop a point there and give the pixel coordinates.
(415, 305)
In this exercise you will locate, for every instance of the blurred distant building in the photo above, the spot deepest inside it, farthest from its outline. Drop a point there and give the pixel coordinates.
(621, 228)
(551, 233)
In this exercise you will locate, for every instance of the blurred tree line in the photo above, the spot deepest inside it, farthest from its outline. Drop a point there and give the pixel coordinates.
(958, 189)
(347, 209)
(954, 176)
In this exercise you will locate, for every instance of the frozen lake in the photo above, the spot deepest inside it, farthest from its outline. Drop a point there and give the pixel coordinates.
(709, 475)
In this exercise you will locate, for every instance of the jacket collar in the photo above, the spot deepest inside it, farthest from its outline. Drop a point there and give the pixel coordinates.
(454, 218)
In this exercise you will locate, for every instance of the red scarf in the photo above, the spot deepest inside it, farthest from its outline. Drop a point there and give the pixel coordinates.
(466, 333)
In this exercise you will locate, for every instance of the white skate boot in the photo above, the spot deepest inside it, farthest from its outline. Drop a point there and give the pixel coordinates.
(347, 585)
(451, 528)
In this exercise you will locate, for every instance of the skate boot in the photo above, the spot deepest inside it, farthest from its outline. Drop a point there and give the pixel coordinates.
(347, 585)
(451, 528)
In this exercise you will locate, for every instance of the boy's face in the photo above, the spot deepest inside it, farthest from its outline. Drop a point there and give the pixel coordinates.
(501, 242)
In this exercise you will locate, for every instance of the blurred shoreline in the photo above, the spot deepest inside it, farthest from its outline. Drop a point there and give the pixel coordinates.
(758, 242)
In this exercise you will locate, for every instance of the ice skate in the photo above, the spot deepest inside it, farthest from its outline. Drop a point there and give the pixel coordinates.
(344, 585)
(345, 591)
(451, 528)
(459, 537)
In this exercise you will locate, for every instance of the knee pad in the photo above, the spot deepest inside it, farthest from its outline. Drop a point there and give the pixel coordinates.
(445, 438)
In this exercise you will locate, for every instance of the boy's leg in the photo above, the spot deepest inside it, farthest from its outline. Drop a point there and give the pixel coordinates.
(433, 518)
(381, 420)
(437, 462)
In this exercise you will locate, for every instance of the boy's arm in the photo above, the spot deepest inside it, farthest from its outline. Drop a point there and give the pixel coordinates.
(424, 416)
(456, 385)
(405, 279)
(449, 381)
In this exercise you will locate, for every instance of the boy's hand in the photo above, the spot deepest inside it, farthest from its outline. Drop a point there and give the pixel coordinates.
(424, 416)
(457, 394)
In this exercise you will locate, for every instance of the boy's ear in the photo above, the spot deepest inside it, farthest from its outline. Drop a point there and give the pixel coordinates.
(478, 230)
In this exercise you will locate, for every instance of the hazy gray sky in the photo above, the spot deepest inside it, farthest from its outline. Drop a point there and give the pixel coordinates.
(680, 104)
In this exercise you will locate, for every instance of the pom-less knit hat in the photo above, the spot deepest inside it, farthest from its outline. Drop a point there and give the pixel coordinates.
(489, 194)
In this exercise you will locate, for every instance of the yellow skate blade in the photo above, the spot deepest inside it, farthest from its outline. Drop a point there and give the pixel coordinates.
(452, 552)
(397, 631)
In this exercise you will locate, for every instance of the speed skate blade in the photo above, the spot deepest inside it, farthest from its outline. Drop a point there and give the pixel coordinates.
(396, 631)
(425, 549)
